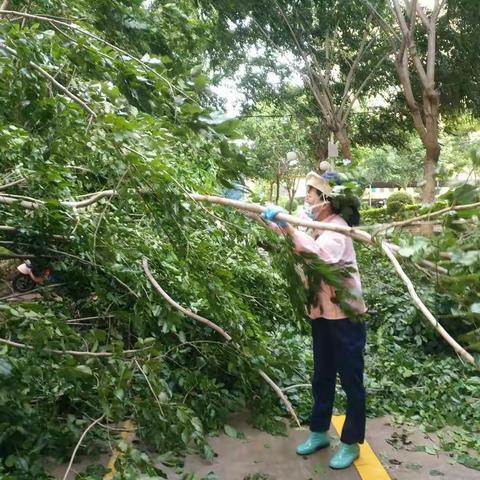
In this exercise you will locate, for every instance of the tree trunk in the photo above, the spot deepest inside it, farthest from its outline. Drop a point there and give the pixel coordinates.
(278, 189)
(320, 141)
(431, 105)
(270, 196)
(292, 190)
(345, 147)
(429, 167)
(432, 155)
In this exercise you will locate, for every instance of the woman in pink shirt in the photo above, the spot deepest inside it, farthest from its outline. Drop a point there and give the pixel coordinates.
(338, 342)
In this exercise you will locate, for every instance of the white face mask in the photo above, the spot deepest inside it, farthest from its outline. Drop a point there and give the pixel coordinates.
(310, 209)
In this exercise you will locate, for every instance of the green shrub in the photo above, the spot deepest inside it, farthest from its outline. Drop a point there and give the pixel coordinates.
(396, 203)
(285, 203)
(371, 216)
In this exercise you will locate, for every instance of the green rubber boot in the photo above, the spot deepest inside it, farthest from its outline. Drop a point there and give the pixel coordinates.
(345, 456)
(315, 441)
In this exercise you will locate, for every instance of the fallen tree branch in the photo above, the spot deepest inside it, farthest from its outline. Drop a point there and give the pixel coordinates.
(155, 396)
(426, 312)
(45, 74)
(427, 216)
(35, 203)
(92, 199)
(225, 335)
(360, 235)
(176, 305)
(71, 352)
(23, 203)
(355, 233)
(294, 387)
(254, 208)
(67, 471)
(11, 184)
(79, 29)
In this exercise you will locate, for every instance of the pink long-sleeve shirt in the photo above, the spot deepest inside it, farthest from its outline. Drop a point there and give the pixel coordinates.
(332, 247)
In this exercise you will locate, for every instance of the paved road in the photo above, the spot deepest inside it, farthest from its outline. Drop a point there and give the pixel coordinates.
(398, 449)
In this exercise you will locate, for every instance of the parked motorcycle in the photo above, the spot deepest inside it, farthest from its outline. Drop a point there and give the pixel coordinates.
(27, 277)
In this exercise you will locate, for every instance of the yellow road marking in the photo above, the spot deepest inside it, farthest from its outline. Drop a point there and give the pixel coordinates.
(127, 435)
(368, 465)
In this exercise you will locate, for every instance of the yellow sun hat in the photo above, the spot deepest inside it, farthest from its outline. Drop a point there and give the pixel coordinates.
(316, 181)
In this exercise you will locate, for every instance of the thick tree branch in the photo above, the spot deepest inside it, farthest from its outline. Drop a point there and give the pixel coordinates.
(81, 30)
(429, 215)
(23, 203)
(11, 184)
(45, 74)
(426, 312)
(423, 16)
(431, 51)
(408, 41)
(254, 208)
(358, 235)
(176, 305)
(224, 334)
(35, 203)
(75, 353)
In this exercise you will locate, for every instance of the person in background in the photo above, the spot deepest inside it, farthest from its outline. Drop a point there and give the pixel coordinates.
(338, 342)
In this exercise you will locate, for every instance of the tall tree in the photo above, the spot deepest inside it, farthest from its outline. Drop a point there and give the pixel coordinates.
(424, 40)
(333, 44)
(425, 108)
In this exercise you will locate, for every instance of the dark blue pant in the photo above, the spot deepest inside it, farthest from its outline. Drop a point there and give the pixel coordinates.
(338, 347)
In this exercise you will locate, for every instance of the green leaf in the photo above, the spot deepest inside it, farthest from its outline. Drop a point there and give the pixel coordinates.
(469, 461)
(5, 368)
(431, 449)
(230, 431)
(84, 369)
(119, 393)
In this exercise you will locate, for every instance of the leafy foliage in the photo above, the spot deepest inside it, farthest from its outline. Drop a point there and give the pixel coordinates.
(405, 361)
(155, 136)
(396, 203)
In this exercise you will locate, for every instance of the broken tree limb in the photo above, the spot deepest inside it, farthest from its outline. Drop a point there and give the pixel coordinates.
(426, 312)
(254, 208)
(427, 216)
(36, 203)
(357, 234)
(45, 74)
(186, 312)
(11, 184)
(76, 353)
(222, 332)
(77, 446)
